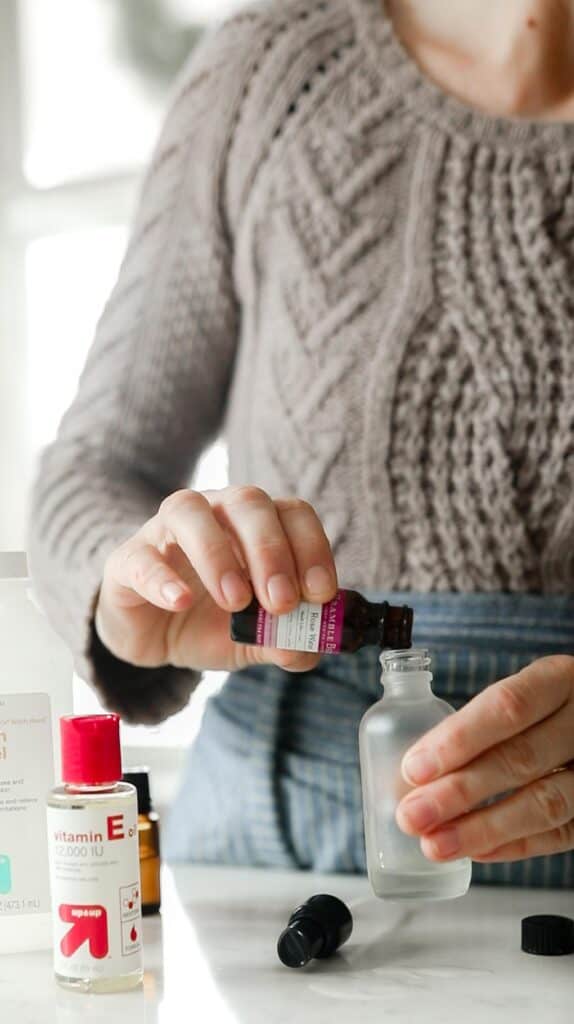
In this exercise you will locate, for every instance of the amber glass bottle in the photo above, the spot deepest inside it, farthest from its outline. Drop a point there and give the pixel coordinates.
(342, 625)
(148, 834)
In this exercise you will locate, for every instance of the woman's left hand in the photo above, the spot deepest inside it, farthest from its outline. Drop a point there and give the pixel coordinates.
(514, 735)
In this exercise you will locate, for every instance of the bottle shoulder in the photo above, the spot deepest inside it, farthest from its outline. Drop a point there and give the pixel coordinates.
(65, 796)
(391, 712)
(447, 709)
(378, 718)
(375, 710)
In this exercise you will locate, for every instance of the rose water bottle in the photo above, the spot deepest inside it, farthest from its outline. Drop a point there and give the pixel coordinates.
(342, 625)
(94, 861)
(398, 870)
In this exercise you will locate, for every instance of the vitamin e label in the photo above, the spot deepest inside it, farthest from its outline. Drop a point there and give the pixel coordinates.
(95, 880)
(314, 628)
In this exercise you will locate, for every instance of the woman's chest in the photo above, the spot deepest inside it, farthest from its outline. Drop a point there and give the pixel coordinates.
(373, 249)
(408, 329)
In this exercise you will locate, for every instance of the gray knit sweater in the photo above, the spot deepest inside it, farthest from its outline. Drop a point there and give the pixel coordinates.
(367, 288)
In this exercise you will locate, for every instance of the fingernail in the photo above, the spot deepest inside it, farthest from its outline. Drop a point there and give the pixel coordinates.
(234, 587)
(419, 812)
(280, 589)
(172, 592)
(318, 580)
(445, 843)
(420, 767)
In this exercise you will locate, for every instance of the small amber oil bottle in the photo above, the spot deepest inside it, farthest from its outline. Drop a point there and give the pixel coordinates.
(342, 625)
(148, 834)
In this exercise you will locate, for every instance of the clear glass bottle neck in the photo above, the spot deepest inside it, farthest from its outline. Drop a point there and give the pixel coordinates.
(406, 674)
(414, 687)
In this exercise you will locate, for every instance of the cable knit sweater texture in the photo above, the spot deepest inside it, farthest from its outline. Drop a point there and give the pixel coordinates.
(367, 288)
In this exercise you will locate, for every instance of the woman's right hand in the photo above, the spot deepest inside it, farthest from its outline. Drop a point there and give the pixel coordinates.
(168, 591)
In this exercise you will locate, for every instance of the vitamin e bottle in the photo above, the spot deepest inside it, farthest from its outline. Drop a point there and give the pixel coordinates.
(94, 863)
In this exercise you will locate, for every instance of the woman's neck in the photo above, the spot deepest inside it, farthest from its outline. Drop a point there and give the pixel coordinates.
(508, 57)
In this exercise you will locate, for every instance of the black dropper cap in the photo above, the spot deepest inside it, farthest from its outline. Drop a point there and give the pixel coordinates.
(139, 777)
(315, 930)
(547, 935)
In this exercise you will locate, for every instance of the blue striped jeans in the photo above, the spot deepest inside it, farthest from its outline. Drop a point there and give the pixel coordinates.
(273, 776)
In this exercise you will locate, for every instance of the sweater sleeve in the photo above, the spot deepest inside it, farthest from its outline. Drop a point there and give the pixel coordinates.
(153, 389)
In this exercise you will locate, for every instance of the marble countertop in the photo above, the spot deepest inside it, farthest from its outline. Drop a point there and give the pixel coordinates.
(211, 957)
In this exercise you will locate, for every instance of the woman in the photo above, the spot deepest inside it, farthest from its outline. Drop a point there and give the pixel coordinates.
(353, 254)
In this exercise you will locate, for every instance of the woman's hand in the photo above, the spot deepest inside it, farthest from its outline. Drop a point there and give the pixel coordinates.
(168, 591)
(514, 735)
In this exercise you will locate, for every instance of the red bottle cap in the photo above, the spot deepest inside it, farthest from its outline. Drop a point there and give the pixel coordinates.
(91, 754)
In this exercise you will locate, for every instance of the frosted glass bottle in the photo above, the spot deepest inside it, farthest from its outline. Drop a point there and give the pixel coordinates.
(397, 867)
(36, 674)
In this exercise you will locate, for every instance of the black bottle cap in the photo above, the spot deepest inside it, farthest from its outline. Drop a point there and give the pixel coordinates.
(315, 930)
(139, 777)
(243, 624)
(547, 935)
(300, 942)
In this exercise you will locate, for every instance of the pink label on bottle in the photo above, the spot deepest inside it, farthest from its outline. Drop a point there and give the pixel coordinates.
(331, 635)
(314, 628)
(267, 628)
(260, 633)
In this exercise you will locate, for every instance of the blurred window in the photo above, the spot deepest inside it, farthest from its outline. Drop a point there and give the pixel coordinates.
(83, 88)
(96, 73)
